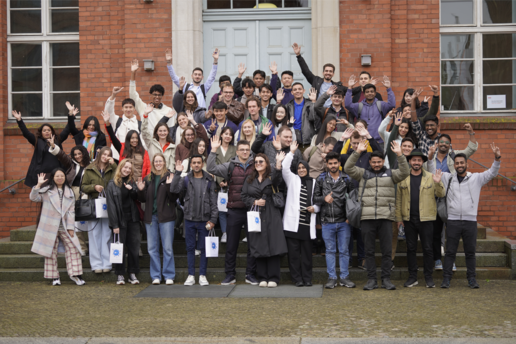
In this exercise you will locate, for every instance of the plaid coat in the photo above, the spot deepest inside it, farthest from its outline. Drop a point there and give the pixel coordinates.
(52, 213)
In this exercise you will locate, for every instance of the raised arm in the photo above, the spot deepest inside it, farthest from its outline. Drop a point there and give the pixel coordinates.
(348, 99)
(25, 132)
(486, 176)
(114, 140)
(221, 170)
(213, 72)
(140, 104)
(391, 98)
(237, 83)
(302, 63)
(171, 71)
(288, 176)
(350, 168)
(403, 170)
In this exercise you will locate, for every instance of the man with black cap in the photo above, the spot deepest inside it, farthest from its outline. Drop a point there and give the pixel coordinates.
(416, 209)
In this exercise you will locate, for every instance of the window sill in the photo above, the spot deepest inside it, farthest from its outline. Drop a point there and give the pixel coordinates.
(478, 123)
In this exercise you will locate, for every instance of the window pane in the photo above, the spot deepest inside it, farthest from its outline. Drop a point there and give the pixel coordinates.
(30, 105)
(498, 11)
(65, 79)
(457, 72)
(499, 72)
(456, 12)
(219, 4)
(457, 98)
(244, 3)
(499, 45)
(510, 97)
(26, 21)
(269, 3)
(59, 100)
(25, 55)
(457, 46)
(64, 3)
(24, 80)
(296, 3)
(25, 3)
(65, 20)
(65, 54)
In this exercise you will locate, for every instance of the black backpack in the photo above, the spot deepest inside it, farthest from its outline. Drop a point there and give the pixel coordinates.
(187, 87)
(119, 123)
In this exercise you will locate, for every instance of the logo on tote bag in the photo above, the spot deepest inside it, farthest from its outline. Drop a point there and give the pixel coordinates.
(213, 245)
(222, 201)
(256, 219)
(116, 253)
(104, 206)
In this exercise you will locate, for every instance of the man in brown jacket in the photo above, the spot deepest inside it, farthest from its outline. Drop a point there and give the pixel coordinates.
(235, 108)
(316, 156)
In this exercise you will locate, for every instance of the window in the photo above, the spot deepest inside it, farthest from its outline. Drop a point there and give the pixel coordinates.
(478, 57)
(249, 4)
(43, 57)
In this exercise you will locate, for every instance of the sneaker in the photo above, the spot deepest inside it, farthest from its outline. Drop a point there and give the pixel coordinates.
(78, 280)
(430, 282)
(393, 266)
(362, 265)
(197, 252)
(140, 253)
(442, 250)
(371, 284)
(346, 282)
(387, 284)
(244, 239)
(97, 271)
(169, 281)
(446, 283)
(410, 282)
(272, 284)
(56, 281)
(224, 238)
(156, 281)
(299, 284)
(308, 284)
(228, 280)
(332, 282)
(402, 237)
(121, 280)
(454, 267)
(263, 284)
(473, 283)
(106, 270)
(202, 280)
(438, 265)
(251, 280)
(190, 280)
(132, 279)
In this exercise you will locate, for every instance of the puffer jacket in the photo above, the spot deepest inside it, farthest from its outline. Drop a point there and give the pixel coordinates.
(428, 191)
(378, 201)
(336, 211)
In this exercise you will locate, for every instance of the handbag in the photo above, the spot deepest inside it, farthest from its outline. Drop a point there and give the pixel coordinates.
(116, 254)
(101, 206)
(354, 206)
(277, 197)
(442, 206)
(212, 245)
(84, 208)
(254, 223)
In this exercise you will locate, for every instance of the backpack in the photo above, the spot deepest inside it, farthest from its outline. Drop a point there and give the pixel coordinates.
(354, 205)
(119, 123)
(378, 105)
(181, 198)
(187, 87)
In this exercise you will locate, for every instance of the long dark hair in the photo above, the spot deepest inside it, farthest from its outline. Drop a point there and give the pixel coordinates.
(285, 119)
(254, 174)
(410, 133)
(231, 131)
(411, 92)
(194, 148)
(85, 155)
(39, 135)
(88, 120)
(183, 139)
(187, 106)
(322, 131)
(51, 181)
(129, 151)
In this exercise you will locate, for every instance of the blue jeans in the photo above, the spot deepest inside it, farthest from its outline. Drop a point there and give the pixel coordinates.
(337, 234)
(165, 230)
(191, 229)
(223, 220)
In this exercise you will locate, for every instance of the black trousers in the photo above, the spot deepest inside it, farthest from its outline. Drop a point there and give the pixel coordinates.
(438, 225)
(237, 217)
(467, 230)
(268, 269)
(300, 259)
(130, 237)
(425, 231)
(382, 228)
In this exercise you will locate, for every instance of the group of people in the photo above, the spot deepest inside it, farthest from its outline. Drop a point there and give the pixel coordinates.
(298, 161)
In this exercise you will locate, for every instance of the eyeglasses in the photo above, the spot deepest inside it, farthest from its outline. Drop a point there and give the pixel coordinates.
(259, 162)
(157, 95)
(244, 150)
(445, 142)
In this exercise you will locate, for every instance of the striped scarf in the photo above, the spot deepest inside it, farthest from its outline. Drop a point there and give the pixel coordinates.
(89, 142)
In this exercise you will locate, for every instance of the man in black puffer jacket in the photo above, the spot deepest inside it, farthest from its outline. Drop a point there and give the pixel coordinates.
(330, 194)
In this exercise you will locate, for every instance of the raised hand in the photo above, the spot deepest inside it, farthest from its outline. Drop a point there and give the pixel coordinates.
(331, 90)
(343, 121)
(293, 147)
(116, 90)
(169, 178)
(16, 115)
(398, 118)
(297, 49)
(312, 95)
(179, 166)
(426, 99)
(329, 198)
(416, 93)
(347, 134)
(280, 156)
(105, 116)
(274, 67)
(391, 113)
(373, 81)
(434, 89)
(41, 180)
(168, 56)
(189, 115)
(468, 127)
(213, 127)
(496, 150)
(437, 176)
(51, 141)
(267, 129)
(128, 186)
(215, 55)
(276, 143)
(171, 113)
(395, 146)
(134, 66)
(148, 109)
(72, 110)
(364, 133)
(215, 143)
(362, 146)
(140, 184)
(182, 82)
(241, 70)
(431, 151)
(280, 95)
(352, 81)
(386, 82)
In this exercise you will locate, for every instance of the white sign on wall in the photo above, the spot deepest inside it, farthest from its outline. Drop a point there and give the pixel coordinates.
(496, 101)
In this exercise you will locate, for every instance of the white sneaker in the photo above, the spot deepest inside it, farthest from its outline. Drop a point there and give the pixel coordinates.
(263, 284)
(190, 280)
(77, 280)
(56, 281)
(272, 284)
(244, 240)
(224, 238)
(132, 279)
(197, 252)
(156, 281)
(203, 281)
(121, 280)
(169, 281)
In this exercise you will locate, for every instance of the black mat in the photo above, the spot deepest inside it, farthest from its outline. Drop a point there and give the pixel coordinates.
(182, 291)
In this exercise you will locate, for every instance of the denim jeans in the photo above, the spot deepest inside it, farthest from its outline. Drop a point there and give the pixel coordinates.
(223, 220)
(191, 229)
(337, 234)
(165, 230)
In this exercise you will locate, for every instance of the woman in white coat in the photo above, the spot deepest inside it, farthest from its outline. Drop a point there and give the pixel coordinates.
(299, 219)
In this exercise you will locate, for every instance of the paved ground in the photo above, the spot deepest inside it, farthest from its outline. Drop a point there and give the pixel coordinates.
(105, 310)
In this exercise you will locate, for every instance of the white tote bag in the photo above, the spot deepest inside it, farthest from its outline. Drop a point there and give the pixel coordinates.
(116, 255)
(222, 201)
(212, 245)
(254, 223)
(101, 206)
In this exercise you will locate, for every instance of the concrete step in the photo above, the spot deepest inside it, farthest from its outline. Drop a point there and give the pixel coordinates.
(216, 275)
(28, 261)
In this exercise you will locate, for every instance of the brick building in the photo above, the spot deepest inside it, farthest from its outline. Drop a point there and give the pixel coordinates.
(77, 50)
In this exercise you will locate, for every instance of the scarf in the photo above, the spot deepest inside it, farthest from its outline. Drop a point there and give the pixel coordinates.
(89, 142)
(307, 181)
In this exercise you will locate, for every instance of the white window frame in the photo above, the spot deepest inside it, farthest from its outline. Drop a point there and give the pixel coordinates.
(45, 38)
(478, 29)
(205, 6)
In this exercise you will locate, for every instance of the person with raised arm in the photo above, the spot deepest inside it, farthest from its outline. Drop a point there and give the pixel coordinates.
(306, 123)
(187, 102)
(221, 121)
(402, 127)
(335, 109)
(430, 135)
(253, 108)
(235, 108)
(161, 141)
(280, 117)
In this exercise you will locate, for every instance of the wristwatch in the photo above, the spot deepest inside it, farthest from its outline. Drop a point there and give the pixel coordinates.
(498, 157)
(472, 133)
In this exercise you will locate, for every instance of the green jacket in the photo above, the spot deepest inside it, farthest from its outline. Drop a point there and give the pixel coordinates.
(93, 177)
(428, 191)
(379, 200)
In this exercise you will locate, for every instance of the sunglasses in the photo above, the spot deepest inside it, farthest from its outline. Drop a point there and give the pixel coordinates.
(259, 162)
(445, 142)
